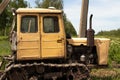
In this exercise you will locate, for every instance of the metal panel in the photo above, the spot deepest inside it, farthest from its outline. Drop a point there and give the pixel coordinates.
(53, 44)
(28, 46)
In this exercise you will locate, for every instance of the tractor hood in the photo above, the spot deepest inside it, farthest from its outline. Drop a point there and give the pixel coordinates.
(102, 46)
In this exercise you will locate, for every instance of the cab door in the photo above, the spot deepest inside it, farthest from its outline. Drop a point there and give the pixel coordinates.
(28, 39)
(52, 36)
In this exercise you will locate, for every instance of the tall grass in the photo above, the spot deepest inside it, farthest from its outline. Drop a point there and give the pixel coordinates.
(114, 52)
(4, 46)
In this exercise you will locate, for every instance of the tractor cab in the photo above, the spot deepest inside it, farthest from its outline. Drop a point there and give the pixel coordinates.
(40, 34)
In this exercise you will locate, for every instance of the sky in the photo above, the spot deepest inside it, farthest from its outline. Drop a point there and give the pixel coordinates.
(106, 13)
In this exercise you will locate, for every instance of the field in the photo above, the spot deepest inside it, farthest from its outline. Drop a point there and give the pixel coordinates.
(108, 73)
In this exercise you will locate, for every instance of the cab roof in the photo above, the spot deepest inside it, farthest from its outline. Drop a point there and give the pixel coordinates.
(37, 10)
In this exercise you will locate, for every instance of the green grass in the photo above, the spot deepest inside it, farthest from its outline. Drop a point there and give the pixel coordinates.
(4, 46)
(114, 52)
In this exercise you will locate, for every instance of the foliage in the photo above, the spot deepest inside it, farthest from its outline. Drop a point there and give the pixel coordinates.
(58, 4)
(6, 16)
(3, 21)
(17, 4)
(69, 28)
(114, 52)
(4, 46)
(112, 33)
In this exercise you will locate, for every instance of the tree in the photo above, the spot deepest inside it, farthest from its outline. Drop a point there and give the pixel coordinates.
(3, 21)
(6, 17)
(18, 4)
(69, 28)
(48, 3)
(58, 4)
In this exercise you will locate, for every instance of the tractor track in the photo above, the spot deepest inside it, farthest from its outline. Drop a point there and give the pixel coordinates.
(22, 71)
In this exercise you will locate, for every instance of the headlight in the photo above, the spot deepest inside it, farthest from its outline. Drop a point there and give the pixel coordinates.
(82, 58)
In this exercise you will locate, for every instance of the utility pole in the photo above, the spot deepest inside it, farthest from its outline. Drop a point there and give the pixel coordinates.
(83, 18)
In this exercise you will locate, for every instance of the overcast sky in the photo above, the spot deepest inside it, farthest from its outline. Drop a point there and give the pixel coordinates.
(106, 13)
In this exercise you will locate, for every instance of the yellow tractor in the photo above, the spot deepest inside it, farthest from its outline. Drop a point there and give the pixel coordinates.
(41, 49)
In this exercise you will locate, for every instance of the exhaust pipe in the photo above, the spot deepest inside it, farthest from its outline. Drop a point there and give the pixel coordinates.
(90, 34)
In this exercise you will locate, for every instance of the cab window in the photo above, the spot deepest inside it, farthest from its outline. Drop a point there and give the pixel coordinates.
(50, 24)
(29, 24)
